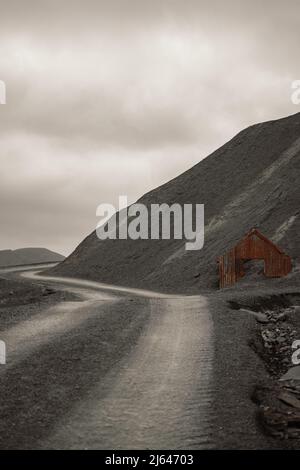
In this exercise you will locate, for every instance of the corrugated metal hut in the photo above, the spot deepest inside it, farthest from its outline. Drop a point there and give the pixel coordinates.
(254, 246)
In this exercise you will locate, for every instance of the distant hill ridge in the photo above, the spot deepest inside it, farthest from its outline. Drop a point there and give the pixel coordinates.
(251, 181)
(24, 256)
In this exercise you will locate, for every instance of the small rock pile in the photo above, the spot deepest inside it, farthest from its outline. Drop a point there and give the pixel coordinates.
(280, 404)
(278, 337)
(280, 411)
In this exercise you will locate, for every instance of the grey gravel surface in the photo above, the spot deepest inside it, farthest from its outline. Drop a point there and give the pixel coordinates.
(96, 367)
(122, 370)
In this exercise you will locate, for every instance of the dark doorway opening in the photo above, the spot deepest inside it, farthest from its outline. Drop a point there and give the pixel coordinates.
(254, 268)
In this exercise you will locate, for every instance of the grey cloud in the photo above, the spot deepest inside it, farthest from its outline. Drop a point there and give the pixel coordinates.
(114, 97)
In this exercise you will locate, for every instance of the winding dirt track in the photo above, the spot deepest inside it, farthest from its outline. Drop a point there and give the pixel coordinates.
(120, 369)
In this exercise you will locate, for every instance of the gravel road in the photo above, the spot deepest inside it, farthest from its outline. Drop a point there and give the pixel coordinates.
(121, 368)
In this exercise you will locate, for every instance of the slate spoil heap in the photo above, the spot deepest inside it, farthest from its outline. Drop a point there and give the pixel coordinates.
(279, 401)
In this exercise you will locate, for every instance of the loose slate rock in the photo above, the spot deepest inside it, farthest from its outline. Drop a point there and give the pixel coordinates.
(292, 374)
(289, 399)
(260, 317)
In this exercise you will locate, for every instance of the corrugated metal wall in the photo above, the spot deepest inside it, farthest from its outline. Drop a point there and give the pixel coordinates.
(253, 246)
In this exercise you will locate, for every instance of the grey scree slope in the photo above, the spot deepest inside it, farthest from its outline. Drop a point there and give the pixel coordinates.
(253, 180)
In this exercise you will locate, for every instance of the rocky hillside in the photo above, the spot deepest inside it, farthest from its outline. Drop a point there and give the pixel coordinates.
(253, 180)
(28, 256)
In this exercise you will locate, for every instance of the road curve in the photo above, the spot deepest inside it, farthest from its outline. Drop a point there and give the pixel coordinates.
(120, 369)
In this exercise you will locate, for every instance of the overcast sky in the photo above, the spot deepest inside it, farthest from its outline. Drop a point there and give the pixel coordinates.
(112, 97)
